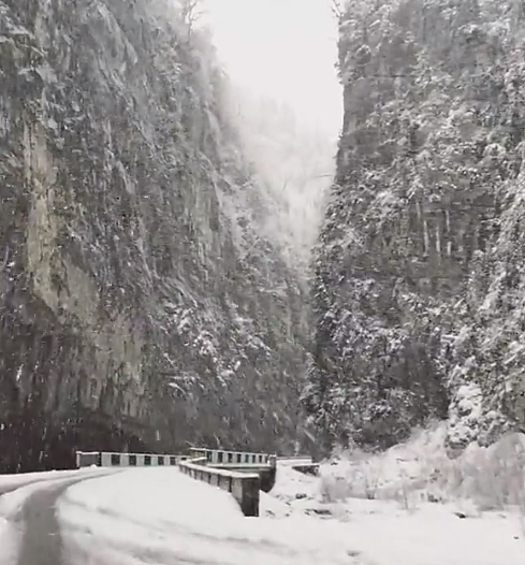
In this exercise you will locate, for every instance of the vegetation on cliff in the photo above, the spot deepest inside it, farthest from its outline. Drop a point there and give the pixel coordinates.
(418, 284)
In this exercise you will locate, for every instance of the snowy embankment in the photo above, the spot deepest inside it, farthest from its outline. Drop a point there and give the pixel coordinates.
(358, 512)
(420, 470)
(467, 511)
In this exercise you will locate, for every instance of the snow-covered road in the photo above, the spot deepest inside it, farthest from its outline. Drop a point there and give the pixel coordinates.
(153, 516)
(161, 516)
(29, 530)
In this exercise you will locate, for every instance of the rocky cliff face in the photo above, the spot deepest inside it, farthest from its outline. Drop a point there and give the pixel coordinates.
(140, 307)
(418, 290)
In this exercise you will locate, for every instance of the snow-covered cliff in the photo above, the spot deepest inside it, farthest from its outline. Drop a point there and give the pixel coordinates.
(140, 302)
(418, 290)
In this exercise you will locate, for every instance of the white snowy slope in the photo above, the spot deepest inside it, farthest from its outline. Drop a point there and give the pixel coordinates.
(425, 508)
(158, 516)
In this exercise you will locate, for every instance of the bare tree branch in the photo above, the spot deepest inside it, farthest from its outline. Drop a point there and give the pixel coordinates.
(337, 8)
(191, 12)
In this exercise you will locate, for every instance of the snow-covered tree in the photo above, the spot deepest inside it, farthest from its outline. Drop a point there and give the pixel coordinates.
(416, 294)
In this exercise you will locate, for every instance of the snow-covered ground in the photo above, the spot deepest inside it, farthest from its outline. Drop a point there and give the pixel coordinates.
(158, 516)
(405, 529)
(409, 506)
(8, 482)
(11, 503)
(161, 516)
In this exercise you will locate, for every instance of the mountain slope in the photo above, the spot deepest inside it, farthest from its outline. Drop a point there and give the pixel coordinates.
(417, 290)
(141, 306)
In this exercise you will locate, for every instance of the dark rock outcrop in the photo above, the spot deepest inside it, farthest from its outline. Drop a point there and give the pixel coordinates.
(139, 306)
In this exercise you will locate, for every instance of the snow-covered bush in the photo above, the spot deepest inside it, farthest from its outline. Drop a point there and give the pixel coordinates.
(422, 470)
(493, 477)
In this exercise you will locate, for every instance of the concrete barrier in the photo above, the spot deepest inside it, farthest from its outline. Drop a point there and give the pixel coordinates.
(292, 458)
(302, 464)
(306, 468)
(87, 459)
(244, 487)
(242, 462)
(113, 459)
(267, 473)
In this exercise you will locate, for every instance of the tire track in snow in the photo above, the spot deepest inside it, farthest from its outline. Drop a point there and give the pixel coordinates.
(41, 542)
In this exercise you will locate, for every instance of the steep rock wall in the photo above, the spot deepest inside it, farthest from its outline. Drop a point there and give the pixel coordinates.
(140, 308)
(417, 290)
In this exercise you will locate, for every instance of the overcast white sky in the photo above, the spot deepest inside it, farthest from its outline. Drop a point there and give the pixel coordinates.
(285, 49)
